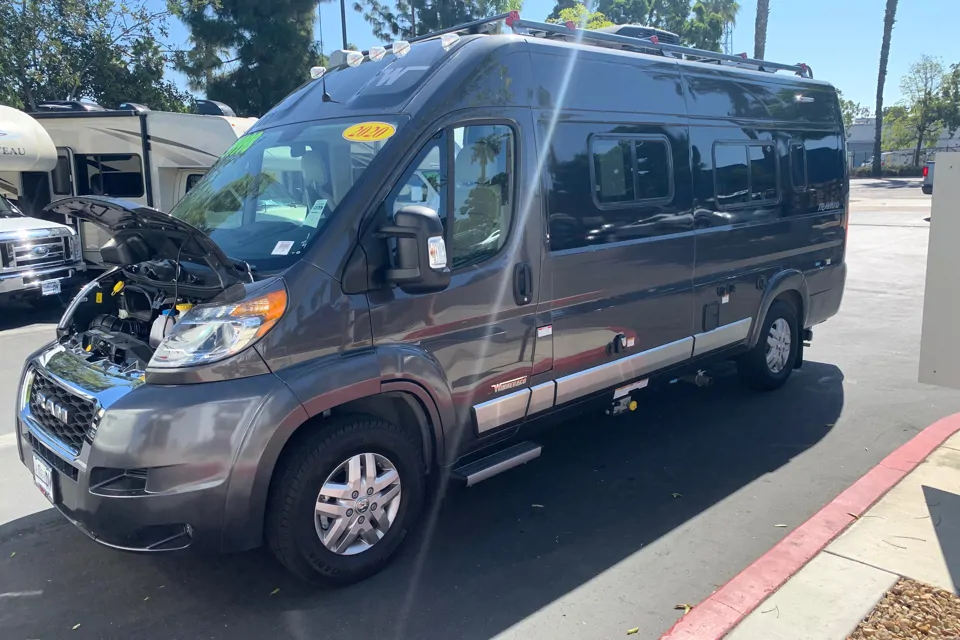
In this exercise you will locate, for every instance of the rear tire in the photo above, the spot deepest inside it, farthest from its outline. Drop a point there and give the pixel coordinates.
(768, 365)
(328, 484)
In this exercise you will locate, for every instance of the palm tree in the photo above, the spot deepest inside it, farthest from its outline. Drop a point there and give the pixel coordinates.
(888, 19)
(760, 30)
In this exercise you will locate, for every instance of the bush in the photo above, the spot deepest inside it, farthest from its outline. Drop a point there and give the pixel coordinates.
(888, 172)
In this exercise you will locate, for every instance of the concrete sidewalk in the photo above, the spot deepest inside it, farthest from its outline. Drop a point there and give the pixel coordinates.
(912, 532)
(901, 519)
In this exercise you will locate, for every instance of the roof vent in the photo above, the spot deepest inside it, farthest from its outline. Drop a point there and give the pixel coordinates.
(641, 31)
(133, 106)
(214, 108)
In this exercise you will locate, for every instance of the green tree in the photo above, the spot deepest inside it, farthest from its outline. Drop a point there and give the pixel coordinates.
(583, 17)
(889, 18)
(851, 110)
(409, 18)
(950, 96)
(922, 89)
(760, 29)
(104, 50)
(698, 23)
(248, 55)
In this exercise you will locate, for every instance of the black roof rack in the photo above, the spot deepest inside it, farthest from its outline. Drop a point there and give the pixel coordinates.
(605, 38)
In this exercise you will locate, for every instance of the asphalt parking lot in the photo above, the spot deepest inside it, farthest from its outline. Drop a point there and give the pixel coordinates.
(618, 522)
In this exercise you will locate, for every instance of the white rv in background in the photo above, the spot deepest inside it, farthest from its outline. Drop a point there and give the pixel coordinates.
(149, 157)
(37, 257)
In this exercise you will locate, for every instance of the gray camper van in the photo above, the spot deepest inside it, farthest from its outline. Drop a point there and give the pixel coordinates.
(311, 339)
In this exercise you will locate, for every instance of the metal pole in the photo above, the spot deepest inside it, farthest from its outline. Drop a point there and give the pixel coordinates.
(343, 21)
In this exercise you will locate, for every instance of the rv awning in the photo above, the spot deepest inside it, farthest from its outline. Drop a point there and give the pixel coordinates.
(24, 144)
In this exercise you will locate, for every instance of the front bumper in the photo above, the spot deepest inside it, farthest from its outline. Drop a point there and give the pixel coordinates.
(26, 283)
(155, 475)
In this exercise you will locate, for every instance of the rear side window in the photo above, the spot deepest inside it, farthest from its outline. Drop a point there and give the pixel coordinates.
(118, 175)
(631, 170)
(746, 173)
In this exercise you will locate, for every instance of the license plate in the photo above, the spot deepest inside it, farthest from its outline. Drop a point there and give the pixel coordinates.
(43, 477)
(50, 287)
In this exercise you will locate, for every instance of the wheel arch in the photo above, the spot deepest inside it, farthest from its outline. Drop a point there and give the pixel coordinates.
(789, 285)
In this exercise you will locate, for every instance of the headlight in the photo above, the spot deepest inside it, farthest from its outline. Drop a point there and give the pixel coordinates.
(25, 386)
(210, 333)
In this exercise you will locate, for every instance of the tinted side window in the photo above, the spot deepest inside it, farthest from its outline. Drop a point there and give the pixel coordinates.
(613, 170)
(763, 173)
(654, 170)
(613, 183)
(192, 181)
(118, 175)
(732, 178)
(798, 166)
(61, 175)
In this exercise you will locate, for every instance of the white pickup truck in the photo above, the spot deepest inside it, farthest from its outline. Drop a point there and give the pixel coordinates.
(37, 257)
(927, 186)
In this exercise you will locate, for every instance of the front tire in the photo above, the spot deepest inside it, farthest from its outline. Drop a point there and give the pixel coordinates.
(768, 365)
(344, 499)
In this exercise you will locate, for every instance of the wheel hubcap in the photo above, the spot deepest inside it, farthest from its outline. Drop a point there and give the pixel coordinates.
(778, 345)
(358, 504)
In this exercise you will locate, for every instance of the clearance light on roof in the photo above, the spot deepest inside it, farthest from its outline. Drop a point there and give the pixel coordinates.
(447, 40)
(354, 58)
(376, 53)
(401, 48)
(316, 72)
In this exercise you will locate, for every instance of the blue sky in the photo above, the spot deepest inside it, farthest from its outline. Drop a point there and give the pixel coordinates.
(839, 39)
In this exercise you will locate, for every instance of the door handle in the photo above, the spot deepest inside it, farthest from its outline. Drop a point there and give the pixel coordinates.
(522, 283)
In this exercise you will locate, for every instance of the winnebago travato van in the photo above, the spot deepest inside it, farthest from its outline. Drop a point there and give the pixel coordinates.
(288, 357)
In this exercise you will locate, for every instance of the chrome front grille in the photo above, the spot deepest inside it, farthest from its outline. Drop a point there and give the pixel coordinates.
(37, 253)
(62, 414)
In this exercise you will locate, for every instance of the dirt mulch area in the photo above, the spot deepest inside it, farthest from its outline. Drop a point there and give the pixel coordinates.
(911, 610)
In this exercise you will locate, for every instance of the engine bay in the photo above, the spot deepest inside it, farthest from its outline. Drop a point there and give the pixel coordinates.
(120, 322)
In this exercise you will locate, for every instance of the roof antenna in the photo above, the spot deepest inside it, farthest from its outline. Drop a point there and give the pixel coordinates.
(323, 79)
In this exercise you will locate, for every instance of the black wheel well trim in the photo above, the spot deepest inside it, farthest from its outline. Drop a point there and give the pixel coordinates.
(791, 284)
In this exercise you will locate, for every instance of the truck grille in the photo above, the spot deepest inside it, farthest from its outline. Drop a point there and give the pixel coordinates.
(37, 253)
(62, 414)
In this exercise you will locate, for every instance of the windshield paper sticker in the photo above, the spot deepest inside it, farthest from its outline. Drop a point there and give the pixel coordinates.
(369, 132)
(316, 213)
(283, 248)
(242, 144)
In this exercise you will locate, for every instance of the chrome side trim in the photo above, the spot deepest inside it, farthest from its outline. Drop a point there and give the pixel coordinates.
(721, 336)
(499, 411)
(542, 397)
(607, 375)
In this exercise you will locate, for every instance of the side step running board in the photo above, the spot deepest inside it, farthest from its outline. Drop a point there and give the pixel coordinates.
(498, 462)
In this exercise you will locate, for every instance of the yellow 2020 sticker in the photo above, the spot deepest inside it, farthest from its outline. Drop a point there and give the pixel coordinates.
(369, 132)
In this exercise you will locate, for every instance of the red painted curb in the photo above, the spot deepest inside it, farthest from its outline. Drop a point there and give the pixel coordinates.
(727, 606)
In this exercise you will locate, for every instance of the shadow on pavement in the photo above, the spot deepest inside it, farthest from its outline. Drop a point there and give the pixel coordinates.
(944, 510)
(604, 489)
(890, 183)
(15, 315)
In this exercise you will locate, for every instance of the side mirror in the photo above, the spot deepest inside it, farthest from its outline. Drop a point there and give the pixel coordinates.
(421, 260)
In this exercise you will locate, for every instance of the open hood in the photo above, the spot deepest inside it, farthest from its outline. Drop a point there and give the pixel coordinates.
(148, 243)
(24, 144)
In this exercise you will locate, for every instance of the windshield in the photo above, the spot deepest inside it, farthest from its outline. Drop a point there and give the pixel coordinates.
(272, 193)
(8, 210)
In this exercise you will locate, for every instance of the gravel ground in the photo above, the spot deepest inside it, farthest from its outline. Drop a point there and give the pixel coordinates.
(911, 610)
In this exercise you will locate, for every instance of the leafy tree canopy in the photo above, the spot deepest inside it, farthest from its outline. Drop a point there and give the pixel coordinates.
(108, 51)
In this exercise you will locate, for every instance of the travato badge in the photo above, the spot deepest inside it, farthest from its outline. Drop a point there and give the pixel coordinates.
(509, 384)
